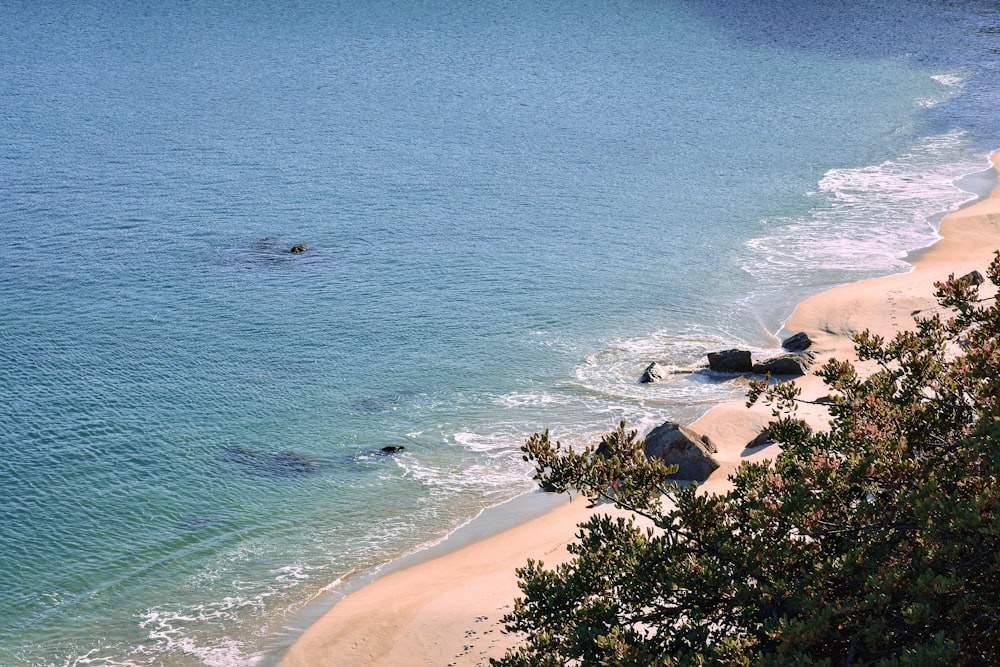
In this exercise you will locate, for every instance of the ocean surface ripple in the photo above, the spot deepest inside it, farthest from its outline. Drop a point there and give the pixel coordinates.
(510, 209)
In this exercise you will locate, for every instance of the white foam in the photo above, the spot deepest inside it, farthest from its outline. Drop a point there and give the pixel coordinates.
(868, 219)
(498, 474)
(199, 630)
(522, 399)
(331, 586)
(951, 80)
(479, 442)
(89, 658)
(952, 85)
(168, 632)
(292, 573)
(612, 374)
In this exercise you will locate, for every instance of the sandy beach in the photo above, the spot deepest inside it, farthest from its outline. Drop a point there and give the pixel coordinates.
(447, 611)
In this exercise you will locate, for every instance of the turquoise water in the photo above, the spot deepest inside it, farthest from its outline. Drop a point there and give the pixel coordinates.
(510, 210)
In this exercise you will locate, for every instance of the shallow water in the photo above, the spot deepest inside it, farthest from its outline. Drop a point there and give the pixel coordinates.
(510, 210)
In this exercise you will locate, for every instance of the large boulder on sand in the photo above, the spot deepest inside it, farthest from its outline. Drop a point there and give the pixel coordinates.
(973, 277)
(730, 361)
(764, 437)
(797, 343)
(793, 363)
(678, 445)
(653, 373)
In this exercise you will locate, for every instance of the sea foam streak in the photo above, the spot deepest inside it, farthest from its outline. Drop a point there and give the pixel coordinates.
(865, 220)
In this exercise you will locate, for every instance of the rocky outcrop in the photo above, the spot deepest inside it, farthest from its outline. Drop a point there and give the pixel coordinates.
(763, 438)
(730, 361)
(973, 277)
(653, 373)
(678, 445)
(792, 363)
(299, 247)
(799, 342)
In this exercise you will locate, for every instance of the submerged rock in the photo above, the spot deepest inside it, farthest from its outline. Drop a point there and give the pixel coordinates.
(373, 456)
(270, 249)
(678, 445)
(271, 463)
(730, 361)
(385, 402)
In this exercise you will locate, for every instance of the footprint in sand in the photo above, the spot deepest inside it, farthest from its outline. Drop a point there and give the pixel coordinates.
(892, 297)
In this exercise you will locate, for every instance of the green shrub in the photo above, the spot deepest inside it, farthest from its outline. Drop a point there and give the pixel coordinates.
(875, 542)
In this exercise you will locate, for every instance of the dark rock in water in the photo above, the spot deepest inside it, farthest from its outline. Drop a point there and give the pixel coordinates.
(792, 363)
(730, 361)
(974, 278)
(653, 373)
(240, 454)
(385, 402)
(371, 456)
(270, 463)
(292, 463)
(797, 343)
(689, 450)
(268, 250)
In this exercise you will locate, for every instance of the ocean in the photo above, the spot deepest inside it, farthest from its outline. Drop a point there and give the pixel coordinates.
(510, 208)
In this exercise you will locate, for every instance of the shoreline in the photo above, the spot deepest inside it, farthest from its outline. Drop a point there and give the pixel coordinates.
(444, 607)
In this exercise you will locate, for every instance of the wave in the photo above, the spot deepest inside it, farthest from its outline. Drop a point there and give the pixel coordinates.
(865, 221)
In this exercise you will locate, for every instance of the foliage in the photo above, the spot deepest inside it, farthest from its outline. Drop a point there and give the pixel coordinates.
(875, 542)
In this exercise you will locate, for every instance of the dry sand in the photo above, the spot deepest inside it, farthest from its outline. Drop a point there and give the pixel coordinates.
(447, 611)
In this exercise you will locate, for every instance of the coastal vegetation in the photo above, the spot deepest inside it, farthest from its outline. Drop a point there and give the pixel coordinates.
(875, 541)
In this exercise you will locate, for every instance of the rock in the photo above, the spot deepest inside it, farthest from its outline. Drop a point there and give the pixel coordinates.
(730, 361)
(653, 373)
(797, 343)
(974, 278)
(678, 445)
(271, 463)
(392, 449)
(763, 438)
(603, 450)
(292, 463)
(792, 363)
(300, 247)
